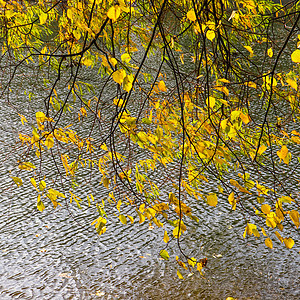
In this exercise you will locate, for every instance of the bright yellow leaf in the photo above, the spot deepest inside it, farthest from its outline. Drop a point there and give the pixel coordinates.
(269, 243)
(292, 83)
(232, 201)
(123, 219)
(270, 52)
(191, 15)
(296, 56)
(114, 12)
(210, 101)
(294, 215)
(179, 275)
(119, 76)
(289, 243)
(43, 17)
(166, 237)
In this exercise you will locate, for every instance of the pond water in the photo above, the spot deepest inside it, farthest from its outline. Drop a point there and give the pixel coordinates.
(58, 255)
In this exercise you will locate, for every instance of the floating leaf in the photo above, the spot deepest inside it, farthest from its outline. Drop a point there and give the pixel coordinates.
(250, 50)
(125, 57)
(40, 205)
(232, 201)
(292, 83)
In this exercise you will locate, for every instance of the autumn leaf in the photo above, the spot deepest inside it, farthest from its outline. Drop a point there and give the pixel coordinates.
(114, 12)
(294, 215)
(212, 200)
(191, 15)
(164, 254)
(119, 76)
(296, 56)
(161, 85)
(269, 243)
(289, 243)
(179, 275)
(270, 52)
(166, 237)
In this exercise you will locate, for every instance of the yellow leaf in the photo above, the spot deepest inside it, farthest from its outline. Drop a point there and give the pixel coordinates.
(105, 182)
(33, 182)
(113, 61)
(161, 85)
(127, 83)
(18, 181)
(279, 236)
(282, 154)
(262, 149)
(289, 243)
(118, 102)
(269, 243)
(251, 84)
(114, 12)
(191, 15)
(263, 231)
(49, 142)
(270, 52)
(292, 83)
(131, 219)
(212, 200)
(232, 201)
(42, 185)
(296, 56)
(119, 76)
(40, 117)
(250, 50)
(40, 205)
(266, 208)
(125, 57)
(192, 261)
(164, 254)
(210, 35)
(294, 215)
(166, 237)
(210, 101)
(123, 219)
(176, 232)
(43, 17)
(179, 275)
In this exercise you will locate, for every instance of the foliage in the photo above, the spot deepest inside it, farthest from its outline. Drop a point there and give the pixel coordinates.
(169, 102)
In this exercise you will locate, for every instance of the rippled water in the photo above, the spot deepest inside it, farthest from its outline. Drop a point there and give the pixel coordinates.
(57, 254)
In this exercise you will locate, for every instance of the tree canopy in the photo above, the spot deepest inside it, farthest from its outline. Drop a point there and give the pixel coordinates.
(164, 104)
